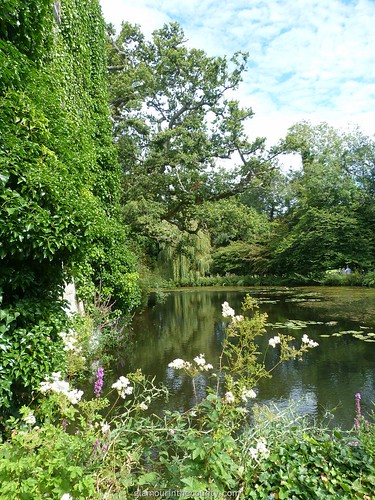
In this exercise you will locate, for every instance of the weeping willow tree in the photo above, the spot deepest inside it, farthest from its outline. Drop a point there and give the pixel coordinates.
(186, 257)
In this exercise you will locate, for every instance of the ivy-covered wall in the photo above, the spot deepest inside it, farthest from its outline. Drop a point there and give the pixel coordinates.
(59, 179)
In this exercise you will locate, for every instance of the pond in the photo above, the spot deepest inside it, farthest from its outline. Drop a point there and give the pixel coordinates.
(322, 385)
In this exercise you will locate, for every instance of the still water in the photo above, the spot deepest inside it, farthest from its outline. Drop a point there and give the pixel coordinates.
(341, 320)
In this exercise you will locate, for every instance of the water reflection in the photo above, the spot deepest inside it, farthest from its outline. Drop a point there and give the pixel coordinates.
(324, 383)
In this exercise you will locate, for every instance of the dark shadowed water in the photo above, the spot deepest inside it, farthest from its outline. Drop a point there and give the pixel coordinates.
(323, 385)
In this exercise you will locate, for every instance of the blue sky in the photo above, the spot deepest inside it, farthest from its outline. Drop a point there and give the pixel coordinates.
(309, 59)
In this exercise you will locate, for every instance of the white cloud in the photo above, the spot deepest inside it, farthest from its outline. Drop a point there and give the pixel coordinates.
(311, 59)
(149, 18)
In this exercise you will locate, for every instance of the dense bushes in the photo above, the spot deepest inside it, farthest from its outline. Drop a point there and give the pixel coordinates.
(59, 182)
(293, 279)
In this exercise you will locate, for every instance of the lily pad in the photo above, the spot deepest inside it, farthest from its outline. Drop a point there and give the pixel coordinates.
(295, 324)
(352, 332)
(296, 300)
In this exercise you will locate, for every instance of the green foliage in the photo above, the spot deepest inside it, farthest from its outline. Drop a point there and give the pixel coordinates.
(59, 183)
(30, 347)
(15, 66)
(185, 257)
(60, 176)
(175, 138)
(175, 125)
(269, 194)
(330, 219)
(306, 460)
(101, 330)
(109, 266)
(87, 448)
(230, 220)
(27, 26)
(319, 239)
(369, 279)
(338, 277)
(39, 229)
(23, 471)
(235, 258)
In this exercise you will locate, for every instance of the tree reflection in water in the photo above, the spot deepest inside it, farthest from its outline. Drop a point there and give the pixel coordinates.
(189, 323)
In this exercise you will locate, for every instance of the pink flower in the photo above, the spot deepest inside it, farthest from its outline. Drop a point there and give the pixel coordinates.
(357, 419)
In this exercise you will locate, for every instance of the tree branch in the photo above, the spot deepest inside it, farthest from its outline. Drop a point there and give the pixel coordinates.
(115, 68)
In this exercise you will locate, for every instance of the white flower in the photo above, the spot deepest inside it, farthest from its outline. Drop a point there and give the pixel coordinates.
(247, 394)
(124, 380)
(178, 364)
(44, 387)
(74, 396)
(122, 387)
(201, 362)
(66, 496)
(58, 386)
(261, 446)
(126, 392)
(227, 310)
(229, 397)
(70, 340)
(207, 367)
(30, 419)
(105, 427)
(143, 406)
(261, 449)
(275, 340)
(121, 383)
(309, 342)
(239, 317)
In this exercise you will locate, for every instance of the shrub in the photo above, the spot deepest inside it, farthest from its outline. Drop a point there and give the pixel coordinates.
(307, 460)
(369, 279)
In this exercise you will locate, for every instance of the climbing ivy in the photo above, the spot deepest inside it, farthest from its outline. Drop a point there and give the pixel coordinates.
(59, 181)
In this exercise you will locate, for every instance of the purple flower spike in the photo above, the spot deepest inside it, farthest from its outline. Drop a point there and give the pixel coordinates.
(99, 382)
(357, 419)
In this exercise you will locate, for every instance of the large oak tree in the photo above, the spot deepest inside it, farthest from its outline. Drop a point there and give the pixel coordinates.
(181, 135)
